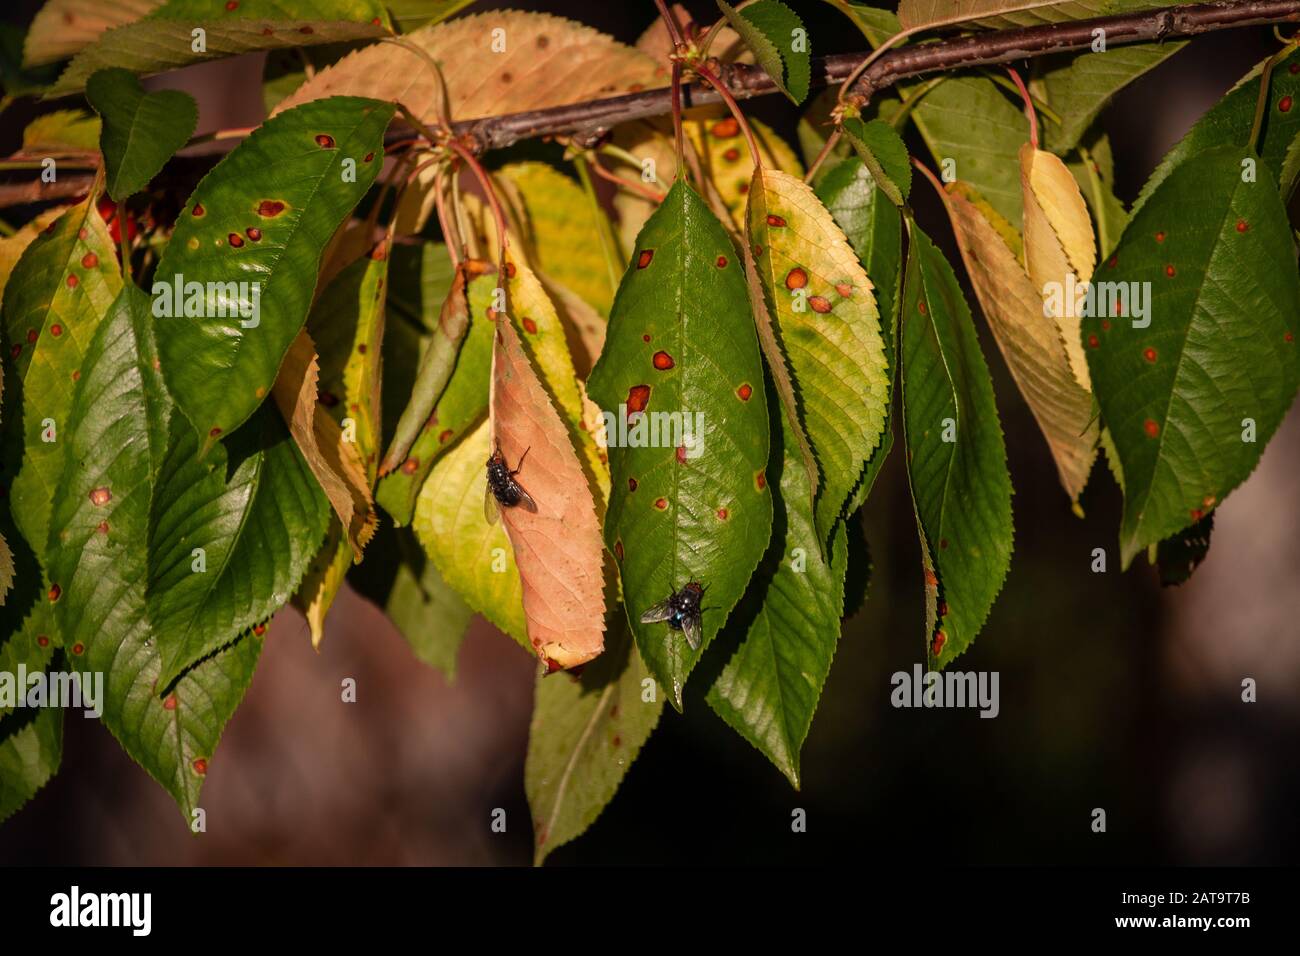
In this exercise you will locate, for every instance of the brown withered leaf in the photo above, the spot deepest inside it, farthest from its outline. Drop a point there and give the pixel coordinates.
(494, 62)
(1030, 342)
(558, 548)
(333, 461)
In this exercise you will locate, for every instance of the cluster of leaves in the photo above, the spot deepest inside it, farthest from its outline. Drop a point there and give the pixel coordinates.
(702, 389)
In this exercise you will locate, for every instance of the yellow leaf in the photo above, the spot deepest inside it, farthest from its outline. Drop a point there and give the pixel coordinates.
(1060, 249)
(492, 62)
(1030, 343)
(333, 461)
(62, 27)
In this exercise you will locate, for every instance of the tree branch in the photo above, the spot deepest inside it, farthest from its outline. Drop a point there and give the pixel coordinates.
(589, 120)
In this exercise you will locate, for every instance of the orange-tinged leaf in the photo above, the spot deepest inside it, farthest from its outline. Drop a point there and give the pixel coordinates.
(526, 60)
(332, 459)
(558, 548)
(1059, 243)
(63, 27)
(1031, 343)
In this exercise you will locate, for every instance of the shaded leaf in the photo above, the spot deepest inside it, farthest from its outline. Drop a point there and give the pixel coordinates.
(882, 151)
(141, 131)
(779, 42)
(62, 131)
(1224, 311)
(830, 331)
(164, 39)
(585, 733)
(254, 508)
(558, 547)
(960, 487)
(410, 14)
(789, 625)
(263, 215)
(704, 513)
(332, 458)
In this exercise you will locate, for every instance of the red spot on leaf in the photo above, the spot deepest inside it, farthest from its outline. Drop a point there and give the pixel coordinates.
(43, 640)
(253, 233)
(777, 221)
(76, 375)
(943, 544)
(631, 484)
(1197, 514)
(661, 503)
(760, 480)
(681, 454)
(920, 307)
(1105, 325)
(721, 262)
(646, 337)
(170, 702)
(306, 30)
(1160, 237)
(100, 497)
(723, 514)
(214, 431)
(410, 466)
(936, 646)
(942, 609)
(259, 629)
(796, 278)
(1149, 354)
(56, 330)
(198, 209)
(1289, 337)
(663, 361)
(529, 325)
(268, 208)
(324, 140)
(930, 579)
(1093, 341)
(819, 304)
(726, 128)
(731, 155)
(638, 396)
(31, 336)
(618, 549)
(1170, 271)
(844, 289)
(17, 350)
(72, 280)
(745, 392)
(78, 648)
(102, 527)
(235, 240)
(444, 435)
(1151, 428)
(232, 4)
(644, 258)
(1242, 225)
(55, 591)
(89, 260)
(200, 766)
(1114, 261)
(510, 270)
(1284, 104)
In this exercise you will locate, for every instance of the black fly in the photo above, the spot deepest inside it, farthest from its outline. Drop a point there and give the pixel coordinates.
(681, 611)
(502, 488)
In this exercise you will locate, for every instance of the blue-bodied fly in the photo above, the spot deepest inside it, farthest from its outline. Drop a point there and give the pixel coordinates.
(682, 612)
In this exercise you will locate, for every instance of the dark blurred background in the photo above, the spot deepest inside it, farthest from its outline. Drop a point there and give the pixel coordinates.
(1114, 693)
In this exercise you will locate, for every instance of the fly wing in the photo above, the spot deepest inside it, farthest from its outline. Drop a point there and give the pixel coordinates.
(525, 499)
(490, 507)
(660, 612)
(692, 630)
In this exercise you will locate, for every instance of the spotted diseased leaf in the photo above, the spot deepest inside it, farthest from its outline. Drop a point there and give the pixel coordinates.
(250, 514)
(585, 733)
(31, 739)
(829, 330)
(935, 14)
(682, 508)
(1230, 120)
(546, 61)
(99, 543)
(263, 218)
(779, 42)
(471, 555)
(140, 131)
(1032, 344)
(62, 27)
(956, 460)
(882, 151)
(557, 547)
(164, 38)
(782, 636)
(55, 299)
(1191, 396)
(874, 227)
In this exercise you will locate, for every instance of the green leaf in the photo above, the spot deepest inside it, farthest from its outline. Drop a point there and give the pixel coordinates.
(141, 131)
(874, 227)
(254, 508)
(1179, 556)
(1079, 89)
(960, 487)
(706, 517)
(165, 38)
(884, 154)
(99, 547)
(62, 130)
(779, 42)
(463, 402)
(412, 14)
(402, 582)
(1290, 169)
(31, 748)
(1229, 122)
(263, 215)
(1224, 311)
(830, 331)
(785, 630)
(471, 555)
(58, 293)
(1094, 171)
(585, 733)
